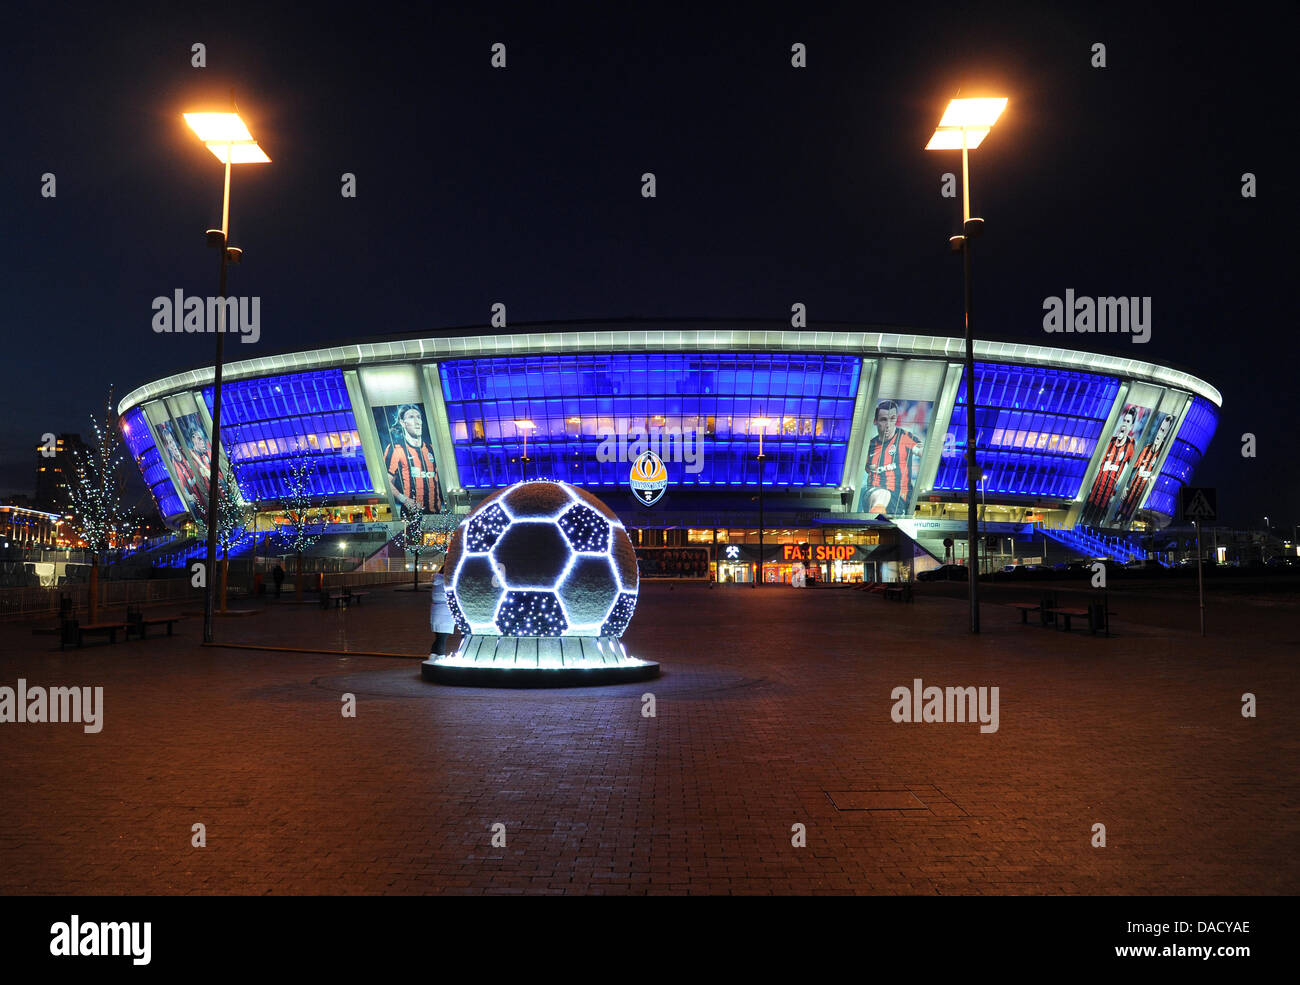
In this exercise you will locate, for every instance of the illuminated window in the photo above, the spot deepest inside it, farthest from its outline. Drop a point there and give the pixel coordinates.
(712, 397)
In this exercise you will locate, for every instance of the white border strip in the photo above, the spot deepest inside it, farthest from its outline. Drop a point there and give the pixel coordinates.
(865, 344)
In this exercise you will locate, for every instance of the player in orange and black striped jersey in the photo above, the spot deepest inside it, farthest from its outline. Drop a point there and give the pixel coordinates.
(1144, 470)
(892, 457)
(1119, 452)
(412, 472)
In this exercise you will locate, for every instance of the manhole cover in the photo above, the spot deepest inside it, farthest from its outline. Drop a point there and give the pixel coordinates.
(875, 800)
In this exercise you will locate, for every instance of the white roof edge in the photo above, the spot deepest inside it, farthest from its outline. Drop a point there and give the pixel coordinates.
(865, 344)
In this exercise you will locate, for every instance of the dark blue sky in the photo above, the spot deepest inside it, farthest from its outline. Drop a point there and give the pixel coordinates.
(774, 185)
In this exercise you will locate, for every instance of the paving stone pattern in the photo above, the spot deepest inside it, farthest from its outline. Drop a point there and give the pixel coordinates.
(773, 710)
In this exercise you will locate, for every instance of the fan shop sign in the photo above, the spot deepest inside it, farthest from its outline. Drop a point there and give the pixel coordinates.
(813, 553)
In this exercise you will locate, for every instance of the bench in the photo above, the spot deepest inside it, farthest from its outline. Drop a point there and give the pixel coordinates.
(73, 631)
(338, 598)
(1026, 608)
(356, 596)
(137, 623)
(1064, 616)
(1098, 615)
(898, 593)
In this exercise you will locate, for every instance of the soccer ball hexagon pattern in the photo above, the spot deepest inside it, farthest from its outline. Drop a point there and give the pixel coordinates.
(541, 558)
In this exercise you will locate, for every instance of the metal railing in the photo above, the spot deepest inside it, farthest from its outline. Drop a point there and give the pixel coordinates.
(33, 603)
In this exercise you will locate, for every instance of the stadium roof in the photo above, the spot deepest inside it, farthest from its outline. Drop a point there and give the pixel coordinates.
(674, 335)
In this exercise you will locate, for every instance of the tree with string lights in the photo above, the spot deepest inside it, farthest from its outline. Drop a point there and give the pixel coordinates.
(302, 510)
(410, 537)
(96, 487)
(415, 525)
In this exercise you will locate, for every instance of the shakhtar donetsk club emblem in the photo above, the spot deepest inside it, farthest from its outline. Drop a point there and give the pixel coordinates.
(649, 478)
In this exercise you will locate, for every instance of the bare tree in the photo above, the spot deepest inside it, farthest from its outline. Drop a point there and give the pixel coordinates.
(96, 487)
(416, 526)
(302, 510)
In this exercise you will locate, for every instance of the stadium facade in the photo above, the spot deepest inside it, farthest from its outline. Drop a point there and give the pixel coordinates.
(862, 430)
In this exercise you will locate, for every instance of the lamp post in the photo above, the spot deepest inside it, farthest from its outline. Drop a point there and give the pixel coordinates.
(525, 426)
(965, 124)
(762, 423)
(983, 505)
(226, 135)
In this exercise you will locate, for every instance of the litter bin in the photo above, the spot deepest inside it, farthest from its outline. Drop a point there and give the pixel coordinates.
(1047, 602)
(1098, 616)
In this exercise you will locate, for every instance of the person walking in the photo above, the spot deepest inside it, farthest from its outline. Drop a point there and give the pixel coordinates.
(440, 618)
(277, 575)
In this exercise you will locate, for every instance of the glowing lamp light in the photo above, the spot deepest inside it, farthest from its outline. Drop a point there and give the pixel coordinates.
(951, 139)
(246, 153)
(227, 136)
(966, 122)
(973, 113)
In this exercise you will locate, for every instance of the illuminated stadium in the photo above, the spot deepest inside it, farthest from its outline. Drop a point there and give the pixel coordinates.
(862, 430)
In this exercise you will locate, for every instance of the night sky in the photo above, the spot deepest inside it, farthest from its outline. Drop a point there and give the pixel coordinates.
(775, 185)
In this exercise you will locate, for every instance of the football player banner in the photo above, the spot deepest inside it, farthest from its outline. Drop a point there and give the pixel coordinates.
(408, 458)
(894, 456)
(1120, 451)
(190, 483)
(1143, 472)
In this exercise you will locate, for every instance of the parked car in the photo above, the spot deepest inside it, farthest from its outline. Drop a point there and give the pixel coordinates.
(946, 572)
(1146, 564)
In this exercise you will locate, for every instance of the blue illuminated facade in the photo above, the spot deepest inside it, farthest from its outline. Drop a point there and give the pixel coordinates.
(268, 423)
(701, 395)
(149, 460)
(574, 401)
(1184, 455)
(1036, 429)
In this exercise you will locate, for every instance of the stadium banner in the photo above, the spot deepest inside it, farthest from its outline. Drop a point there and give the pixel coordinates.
(1144, 469)
(901, 415)
(408, 461)
(1120, 451)
(187, 450)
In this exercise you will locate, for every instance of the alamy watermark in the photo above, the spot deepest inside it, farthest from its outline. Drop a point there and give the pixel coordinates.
(671, 444)
(102, 938)
(951, 704)
(23, 704)
(1130, 316)
(242, 316)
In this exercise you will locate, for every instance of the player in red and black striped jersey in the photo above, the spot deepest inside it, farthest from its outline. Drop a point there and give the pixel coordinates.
(189, 482)
(1119, 452)
(412, 472)
(892, 459)
(1144, 470)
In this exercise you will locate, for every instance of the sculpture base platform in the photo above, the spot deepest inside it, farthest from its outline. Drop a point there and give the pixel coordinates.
(538, 661)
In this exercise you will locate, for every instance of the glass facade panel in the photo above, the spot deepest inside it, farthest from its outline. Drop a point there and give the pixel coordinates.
(150, 462)
(576, 401)
(267, 423)
(1184, 455)
(1036, 429)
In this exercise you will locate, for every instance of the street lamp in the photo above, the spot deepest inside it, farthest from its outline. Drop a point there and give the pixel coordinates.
(525, 426)
(965, 124)
(226, 135)
(763, 423)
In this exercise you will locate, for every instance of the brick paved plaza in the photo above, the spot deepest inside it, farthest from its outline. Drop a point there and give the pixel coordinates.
(773, 710)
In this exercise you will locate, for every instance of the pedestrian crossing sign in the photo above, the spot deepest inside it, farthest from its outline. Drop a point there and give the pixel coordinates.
(1199, 503)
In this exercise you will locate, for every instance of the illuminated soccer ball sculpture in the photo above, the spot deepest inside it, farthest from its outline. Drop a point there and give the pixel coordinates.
(542, 581)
